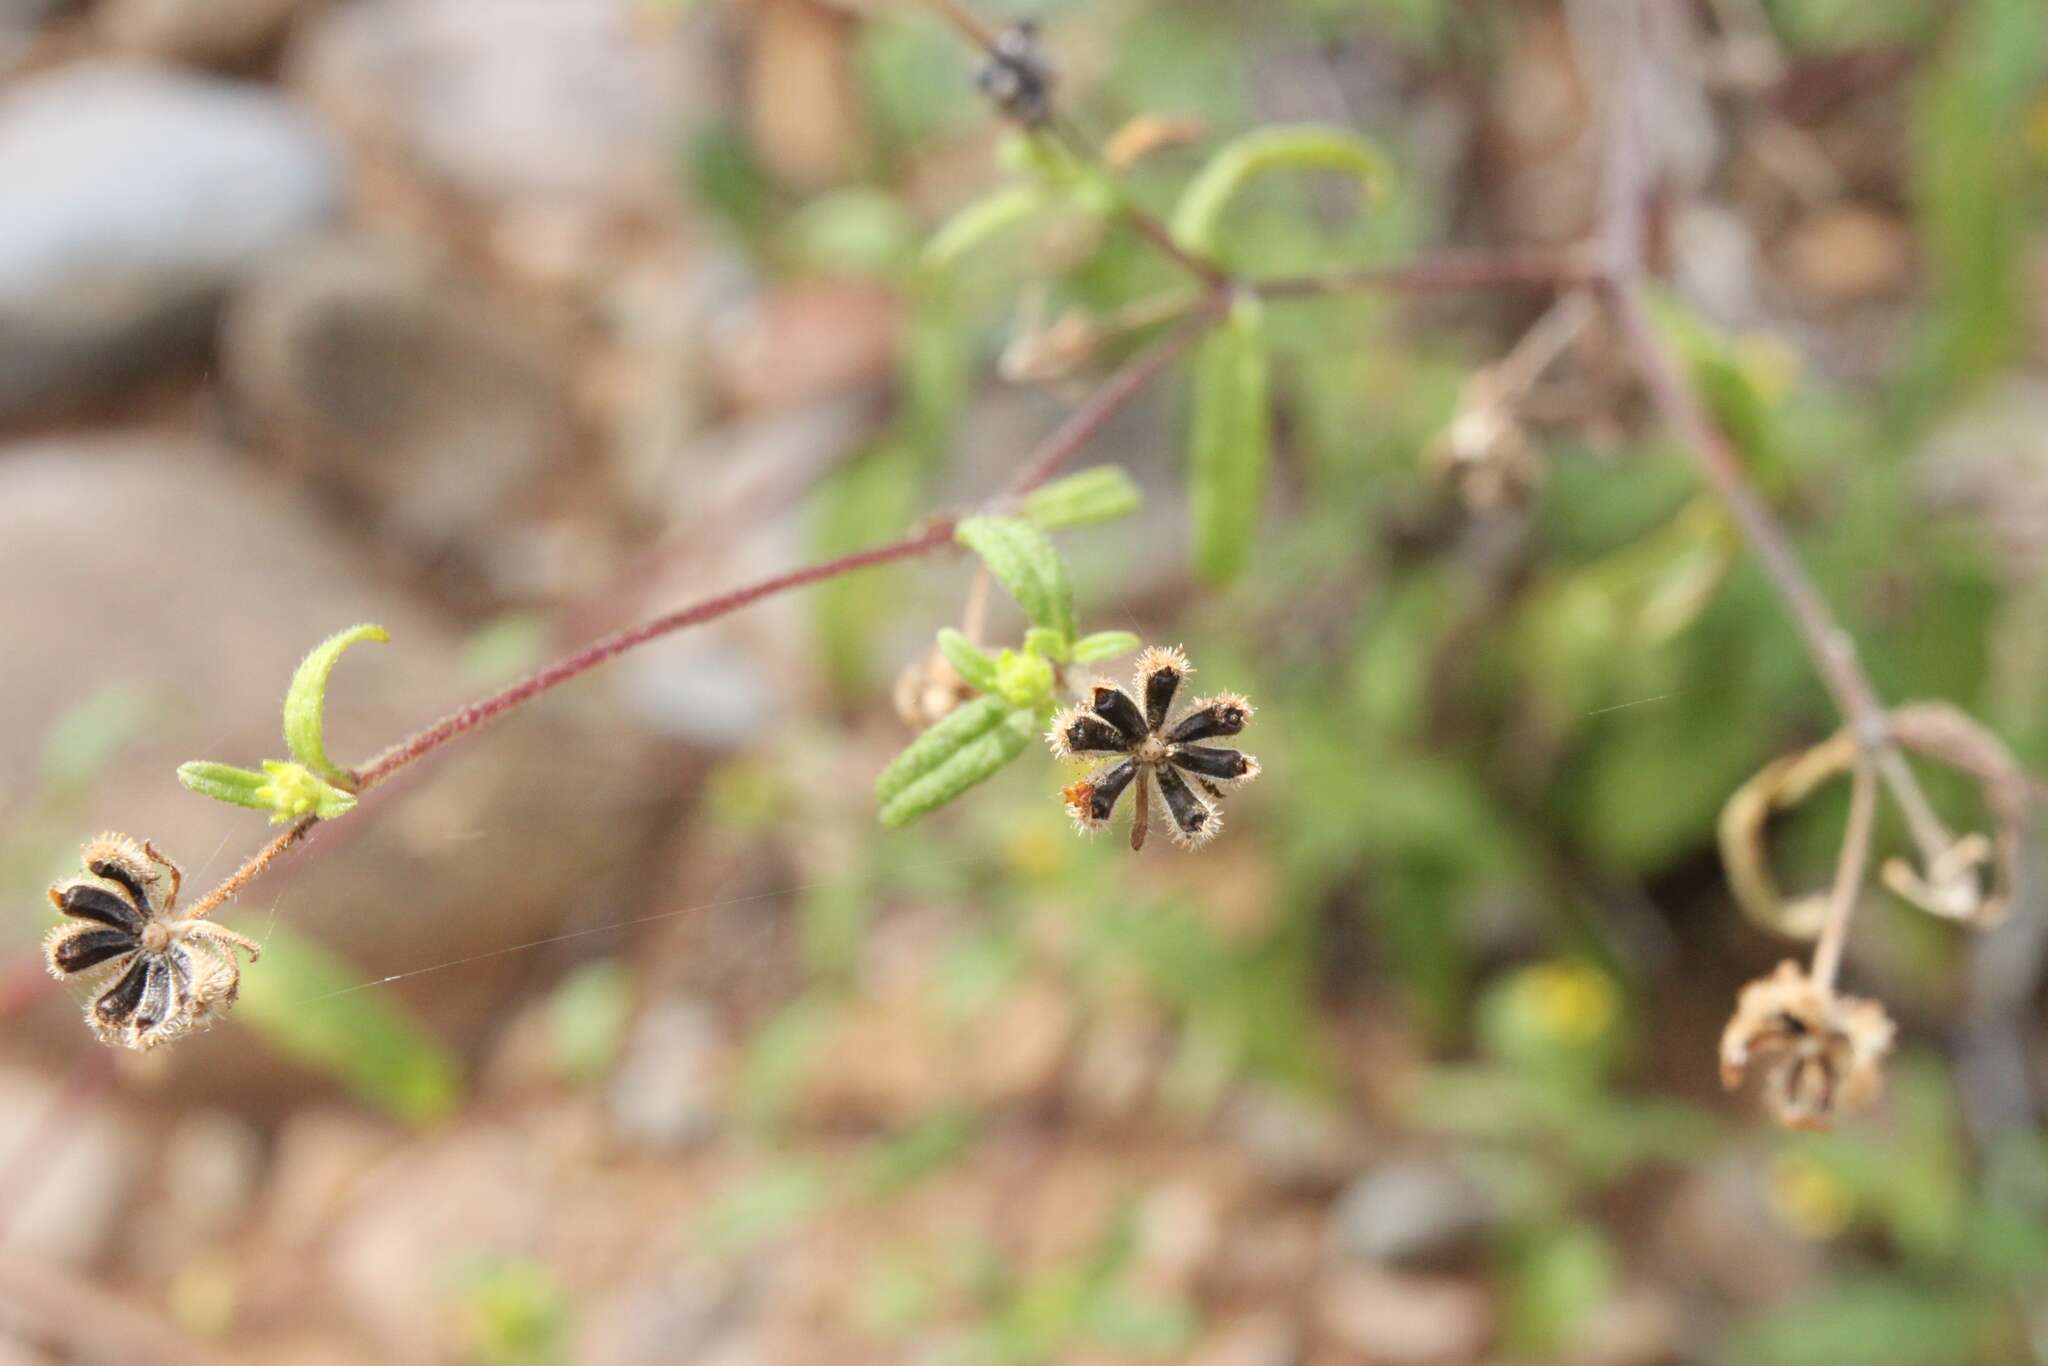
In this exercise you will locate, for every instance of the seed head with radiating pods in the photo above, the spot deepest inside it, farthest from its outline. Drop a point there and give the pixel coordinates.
(162, 975)
(1158, 752)
(1821, 1053)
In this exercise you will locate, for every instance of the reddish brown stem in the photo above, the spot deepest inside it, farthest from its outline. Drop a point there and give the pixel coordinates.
(468, 718)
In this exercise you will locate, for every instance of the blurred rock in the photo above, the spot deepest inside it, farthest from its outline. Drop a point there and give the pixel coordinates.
(1847, 253)
(1717, 1235)
(667, 1090)
(1179, 1228)
(19, 21)
(1405, 1320)
(1258, 1339)
(321, 1156)
(1021, 1045)
(1411, 1214)
(397, 1257)
(134, 196)
(402, 394)
(563, 109)
(1295, 1142)
(671, 1314)
(804, 101)
(1990, 460)
(202, 32)
(69, 1204)
(805, 341)
(163, 566)
(211, 1167)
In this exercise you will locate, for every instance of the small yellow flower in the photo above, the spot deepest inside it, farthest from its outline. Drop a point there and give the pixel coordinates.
(1808, 1199)
(1571, 1003)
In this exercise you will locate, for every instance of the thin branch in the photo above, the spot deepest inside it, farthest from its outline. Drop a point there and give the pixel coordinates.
(467, 718)
(1474, 268)
(254, 868)
(1849, 873)
(1625, 197)
(1068, 439)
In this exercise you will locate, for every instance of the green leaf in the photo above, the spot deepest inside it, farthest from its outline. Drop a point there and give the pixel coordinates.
(289, 792)
(305, 703)
(1304, 146)
(968, 660)
(1102, 494)
(1232, 441)
(1047, 644)
(964, 748)
(305, 1001)
(1024, 562)
(982, 219)
(225, 783)
(1093, 649)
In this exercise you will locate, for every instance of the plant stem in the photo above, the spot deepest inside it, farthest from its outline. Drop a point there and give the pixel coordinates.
(467, 718)
(1465, 268)
(252, 869)
(1625, 198)
(1848, 884)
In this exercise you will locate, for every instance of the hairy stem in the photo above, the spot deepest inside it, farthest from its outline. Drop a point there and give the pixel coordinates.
(251, 870)
(1849, 872)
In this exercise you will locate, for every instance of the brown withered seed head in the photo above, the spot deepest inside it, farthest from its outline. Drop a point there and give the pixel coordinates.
(1822, 1053)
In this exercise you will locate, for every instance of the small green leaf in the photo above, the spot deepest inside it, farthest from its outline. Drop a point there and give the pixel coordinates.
(226, 783)
(305, 1002)
(1305, 146)
(1023, 560)
(1093, 649)
(968, 660)
(982, 219)
(588, 1017)
(1103, 494)
(1024, 680)
(1232, 441)
(305, 703)
(967, 746)
(289, 792)
(1048, 644)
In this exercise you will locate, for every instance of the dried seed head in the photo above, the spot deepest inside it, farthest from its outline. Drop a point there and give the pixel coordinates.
(1823, 1053)
(1159, 752)
(159, 976)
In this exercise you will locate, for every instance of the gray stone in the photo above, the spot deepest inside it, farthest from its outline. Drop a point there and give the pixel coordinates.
(1410, 1214)
(666, 1092)
(206, 32)
(552, 104)
(163, 566)
(134, 196)
(68, 1204)
(403, 393)
(1297, 1143)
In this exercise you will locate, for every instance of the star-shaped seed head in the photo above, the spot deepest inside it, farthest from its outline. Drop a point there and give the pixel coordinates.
(1159, 751)
(161, 975)
(1824, 1053)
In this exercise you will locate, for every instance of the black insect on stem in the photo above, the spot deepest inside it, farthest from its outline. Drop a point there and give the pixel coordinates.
(1017, 75)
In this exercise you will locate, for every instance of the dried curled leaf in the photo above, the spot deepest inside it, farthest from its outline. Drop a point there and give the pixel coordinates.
(1978, 878)
(1745, 845)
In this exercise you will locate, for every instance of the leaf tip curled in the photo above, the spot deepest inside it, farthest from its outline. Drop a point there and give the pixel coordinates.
(305, 702)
